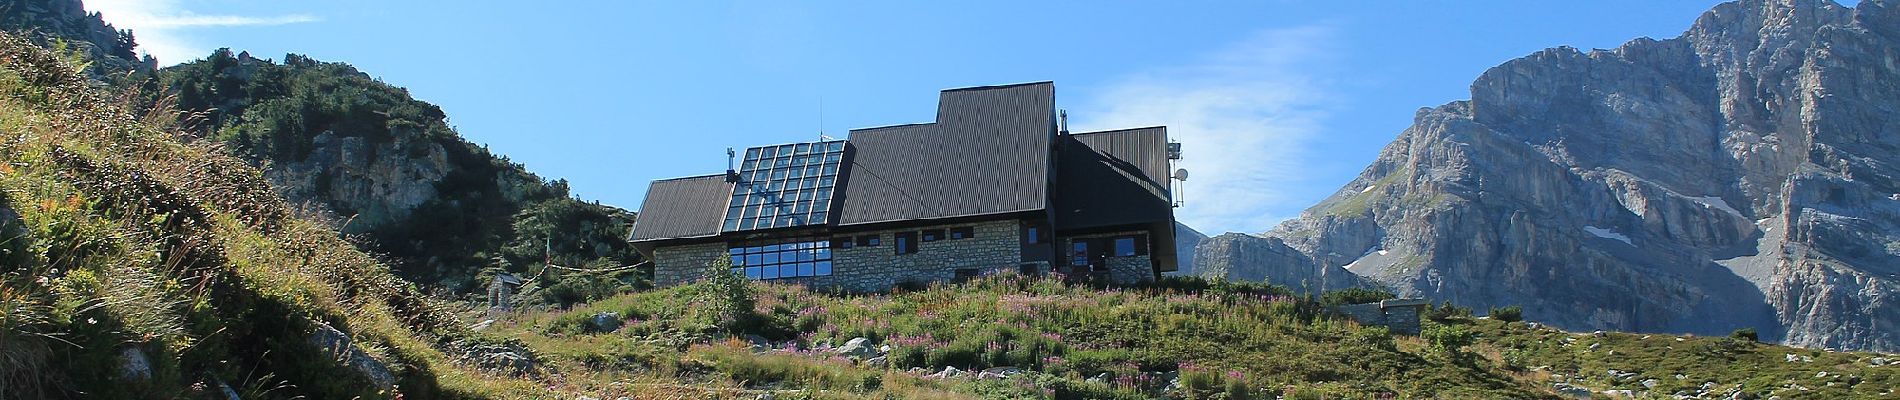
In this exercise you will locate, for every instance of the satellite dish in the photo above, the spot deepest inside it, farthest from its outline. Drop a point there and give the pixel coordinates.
(1180, 174)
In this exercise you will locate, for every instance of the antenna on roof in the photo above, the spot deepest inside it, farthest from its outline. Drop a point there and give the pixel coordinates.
(821, 119)
(1064, 116)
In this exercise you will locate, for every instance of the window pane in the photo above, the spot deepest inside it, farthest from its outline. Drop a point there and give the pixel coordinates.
(823, 268)
(1124, 247)
(805, 269)
(753, 272)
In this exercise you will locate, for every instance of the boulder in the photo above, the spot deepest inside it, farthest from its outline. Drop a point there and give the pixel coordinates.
(605, 322)
(877, 362)
(856, 347)
(134, 364)
(338, 347)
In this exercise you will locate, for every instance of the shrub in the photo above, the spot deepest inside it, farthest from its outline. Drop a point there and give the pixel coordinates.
(1446, 311)
(1449, 340)
(1507, 313)
(1354, 296)
(726, 299)
(1746, 334)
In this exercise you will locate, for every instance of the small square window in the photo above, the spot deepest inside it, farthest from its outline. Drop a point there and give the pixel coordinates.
(1124, 247)
(932, 235)
(841, 243)
(906, 242)
(870, 241)
(962, 233)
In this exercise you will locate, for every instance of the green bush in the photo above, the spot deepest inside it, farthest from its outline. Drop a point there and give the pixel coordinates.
(1446, 311)
(1745, 334)
(1354, 296)
(1507, 313)
(725, 298)
(1449, 340)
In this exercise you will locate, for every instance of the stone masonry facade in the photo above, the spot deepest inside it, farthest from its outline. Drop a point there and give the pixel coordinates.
(677, 265)
(993, 246)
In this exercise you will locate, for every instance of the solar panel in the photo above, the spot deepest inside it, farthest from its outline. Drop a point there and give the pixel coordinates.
(785, 185)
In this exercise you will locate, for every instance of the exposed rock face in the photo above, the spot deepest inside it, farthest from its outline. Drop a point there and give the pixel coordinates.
(379, 183)
(1745, 174)
(1237, 256)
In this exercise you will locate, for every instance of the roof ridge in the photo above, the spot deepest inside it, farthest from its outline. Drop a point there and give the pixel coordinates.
(718, 175)
(1005, 86)
(1122, 130)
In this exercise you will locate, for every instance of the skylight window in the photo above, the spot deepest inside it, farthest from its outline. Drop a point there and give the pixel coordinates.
(784, 186)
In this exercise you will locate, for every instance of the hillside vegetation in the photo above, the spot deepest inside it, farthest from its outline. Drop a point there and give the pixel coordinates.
(139, 265)
(389, 166)
(1010, 336)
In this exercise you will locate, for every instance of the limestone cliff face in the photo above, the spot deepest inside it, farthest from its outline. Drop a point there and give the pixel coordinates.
(377, 184)
(1744, 174)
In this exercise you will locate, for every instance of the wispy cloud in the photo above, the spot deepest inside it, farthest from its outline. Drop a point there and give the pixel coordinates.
(1244, 115)
(162, 26)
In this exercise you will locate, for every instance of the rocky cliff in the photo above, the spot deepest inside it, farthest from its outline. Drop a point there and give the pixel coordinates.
(1743, 174)
(378, 163)
(111, 49)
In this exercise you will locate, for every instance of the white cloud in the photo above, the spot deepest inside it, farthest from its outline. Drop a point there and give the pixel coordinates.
(162, 26)
(1244, 115)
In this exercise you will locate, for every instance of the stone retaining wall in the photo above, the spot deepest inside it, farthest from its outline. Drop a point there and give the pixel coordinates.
(1399, 315)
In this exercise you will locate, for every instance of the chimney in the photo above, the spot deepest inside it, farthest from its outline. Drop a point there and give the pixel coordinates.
(1063, 127)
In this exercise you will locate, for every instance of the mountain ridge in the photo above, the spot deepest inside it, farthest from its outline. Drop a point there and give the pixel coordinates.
(1737, 176)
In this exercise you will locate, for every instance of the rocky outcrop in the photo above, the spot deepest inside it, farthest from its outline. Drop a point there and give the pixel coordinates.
(378, 183)
(1237, 256)
(1744, 174)
(111, 49)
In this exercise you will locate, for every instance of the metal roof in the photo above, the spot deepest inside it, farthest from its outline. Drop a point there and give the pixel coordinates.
(1112, 178)
(682, 208)
(988, 153)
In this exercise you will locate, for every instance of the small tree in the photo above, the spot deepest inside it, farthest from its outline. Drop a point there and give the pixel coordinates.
(726, 298)
(1507, 313)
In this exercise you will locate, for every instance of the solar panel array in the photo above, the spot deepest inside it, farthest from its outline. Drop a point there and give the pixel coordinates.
(785, 186)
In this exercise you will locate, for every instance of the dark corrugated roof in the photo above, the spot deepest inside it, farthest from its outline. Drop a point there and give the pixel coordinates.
(988, 153)
(1112, 178)
(683, 208)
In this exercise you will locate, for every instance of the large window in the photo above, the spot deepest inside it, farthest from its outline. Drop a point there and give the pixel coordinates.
(775, 260)
(785, 185)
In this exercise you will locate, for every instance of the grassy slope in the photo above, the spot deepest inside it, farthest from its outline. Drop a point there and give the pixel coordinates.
(1228, 341)
(126, 237)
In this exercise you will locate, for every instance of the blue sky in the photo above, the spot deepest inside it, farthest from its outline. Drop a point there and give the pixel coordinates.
(1277, 103)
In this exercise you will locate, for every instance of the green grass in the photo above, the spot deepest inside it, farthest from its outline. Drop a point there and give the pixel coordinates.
(124, 238)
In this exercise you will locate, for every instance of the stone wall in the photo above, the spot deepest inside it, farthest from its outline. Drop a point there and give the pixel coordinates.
(681, 264)
(1121, 270)
(1399, 315)
(994, 245)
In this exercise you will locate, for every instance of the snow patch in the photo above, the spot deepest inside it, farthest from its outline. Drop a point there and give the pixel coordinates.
(1382, 252)
(1608, 234)
(1367, 189)
(1715, 203)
